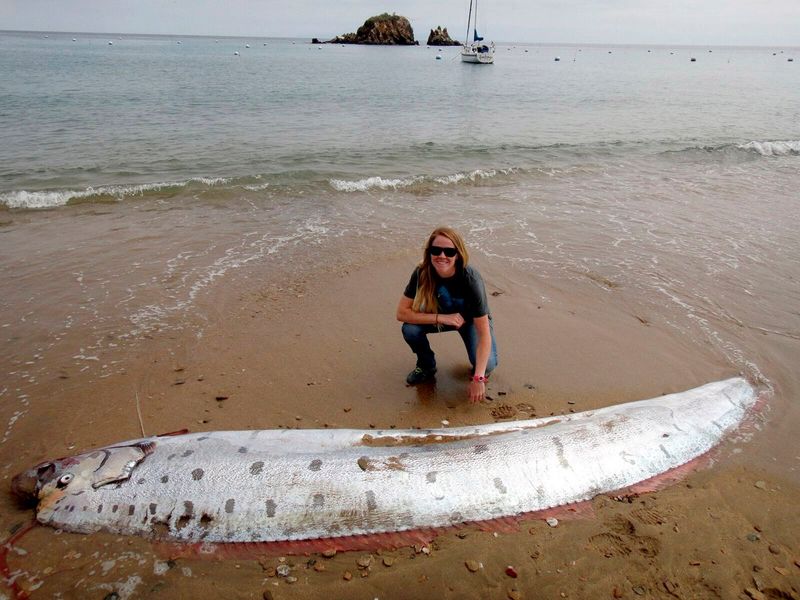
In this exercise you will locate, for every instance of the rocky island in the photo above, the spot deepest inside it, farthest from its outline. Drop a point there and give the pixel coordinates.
(384, 29)
(440, 37)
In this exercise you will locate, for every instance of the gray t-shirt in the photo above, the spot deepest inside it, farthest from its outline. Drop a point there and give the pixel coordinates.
(462, 293)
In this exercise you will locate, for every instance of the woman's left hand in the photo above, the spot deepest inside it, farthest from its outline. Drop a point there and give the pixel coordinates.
(476, 391)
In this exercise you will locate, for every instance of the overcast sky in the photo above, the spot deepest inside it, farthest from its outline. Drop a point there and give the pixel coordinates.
(724, 22)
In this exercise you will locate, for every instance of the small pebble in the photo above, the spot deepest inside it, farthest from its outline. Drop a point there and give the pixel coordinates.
(753, 537)
(616, 593)
(319, 567)
(638, 590)
(797, 563)
(511, 571)
(364, 561)
(461, 535)
(472, 565)
(283, 570)
(775, 549)
(330, 553)
(514, 595)
(347, 576)
(388, 561)
(270, 571)
(267, 595)
(445, 422)
(781, 570)
(552, 521)
(761, 485)
(291, 579)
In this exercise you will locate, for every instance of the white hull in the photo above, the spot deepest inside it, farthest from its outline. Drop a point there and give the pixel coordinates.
(471, 54)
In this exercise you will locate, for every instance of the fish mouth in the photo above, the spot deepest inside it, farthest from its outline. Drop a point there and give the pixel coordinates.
(26, 485)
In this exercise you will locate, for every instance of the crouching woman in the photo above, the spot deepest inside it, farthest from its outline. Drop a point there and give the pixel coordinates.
(446, 294)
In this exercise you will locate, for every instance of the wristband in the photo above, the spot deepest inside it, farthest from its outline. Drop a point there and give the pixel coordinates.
(480, 378)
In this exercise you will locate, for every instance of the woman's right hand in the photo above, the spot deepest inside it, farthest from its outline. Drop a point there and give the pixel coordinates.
(452, 320)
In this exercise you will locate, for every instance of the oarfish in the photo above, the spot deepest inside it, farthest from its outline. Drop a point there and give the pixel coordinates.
(280, 485)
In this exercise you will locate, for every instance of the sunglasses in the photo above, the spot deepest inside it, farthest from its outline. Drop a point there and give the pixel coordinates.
(437, 250)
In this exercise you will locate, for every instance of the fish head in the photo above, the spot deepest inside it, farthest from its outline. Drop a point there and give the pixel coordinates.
(49, 481)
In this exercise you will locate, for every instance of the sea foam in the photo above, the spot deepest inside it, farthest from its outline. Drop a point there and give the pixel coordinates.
(362, 185)
(776, 148)
(54, 198)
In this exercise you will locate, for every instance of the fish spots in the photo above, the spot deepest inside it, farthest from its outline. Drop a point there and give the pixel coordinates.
(319, 501)
(393, 463)
(197, 474)
(430, 477)
(153, 507)
(115, 508)
(271, 506)
(315, 465)
(99, 509)
(71, 508)
(202, 439)
(242, 450)
(140, 481)
(206, 520)
(481, 449)
(501, 487)
(372, 504)
(187, 453)
(562, 458)
(186, 517)
(229, 504)
(131, 510)
(256, 467)
(665, 451)
(171, 456)
(165, 479)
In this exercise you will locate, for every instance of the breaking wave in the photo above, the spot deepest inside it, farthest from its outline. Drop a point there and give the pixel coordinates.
(776, 148)
(55, 198)
(363, 185)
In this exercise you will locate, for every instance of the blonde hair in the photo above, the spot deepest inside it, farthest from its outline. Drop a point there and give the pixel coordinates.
(425, 298)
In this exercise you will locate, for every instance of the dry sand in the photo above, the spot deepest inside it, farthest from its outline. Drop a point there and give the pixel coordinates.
(327, 352)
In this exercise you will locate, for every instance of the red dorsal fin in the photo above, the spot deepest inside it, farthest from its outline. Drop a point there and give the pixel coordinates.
(169, 433)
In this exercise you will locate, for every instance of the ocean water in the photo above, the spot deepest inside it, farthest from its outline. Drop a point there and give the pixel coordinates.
(138, 177)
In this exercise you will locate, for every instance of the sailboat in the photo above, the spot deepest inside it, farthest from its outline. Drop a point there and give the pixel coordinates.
(476, 51)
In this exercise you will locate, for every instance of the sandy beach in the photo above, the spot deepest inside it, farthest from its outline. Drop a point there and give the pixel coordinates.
(314, 352)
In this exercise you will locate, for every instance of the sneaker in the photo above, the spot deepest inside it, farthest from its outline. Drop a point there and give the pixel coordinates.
(418, 375)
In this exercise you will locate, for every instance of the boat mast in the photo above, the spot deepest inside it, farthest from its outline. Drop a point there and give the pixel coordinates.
(469, 19)
(475, 30)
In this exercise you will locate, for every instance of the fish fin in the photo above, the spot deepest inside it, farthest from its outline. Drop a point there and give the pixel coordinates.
(169, 433)
(147, 447)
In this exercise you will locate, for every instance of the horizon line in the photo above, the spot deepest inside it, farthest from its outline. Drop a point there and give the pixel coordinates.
(421, 43)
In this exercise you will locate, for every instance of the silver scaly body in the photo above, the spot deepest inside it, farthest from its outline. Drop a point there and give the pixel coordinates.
(277, 485)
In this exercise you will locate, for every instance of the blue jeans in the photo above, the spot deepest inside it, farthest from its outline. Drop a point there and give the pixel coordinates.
(416, 336)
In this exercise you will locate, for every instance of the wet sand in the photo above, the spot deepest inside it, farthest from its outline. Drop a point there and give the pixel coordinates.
(326, 351)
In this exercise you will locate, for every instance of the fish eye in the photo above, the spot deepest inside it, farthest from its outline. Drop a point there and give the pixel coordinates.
(64, 479)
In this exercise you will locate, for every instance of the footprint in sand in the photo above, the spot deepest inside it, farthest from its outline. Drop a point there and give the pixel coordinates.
(504, 411)
(649, 516)
(623, 540)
